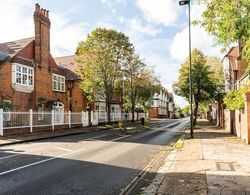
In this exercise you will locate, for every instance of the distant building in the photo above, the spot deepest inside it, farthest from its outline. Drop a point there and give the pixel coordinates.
(162, 104)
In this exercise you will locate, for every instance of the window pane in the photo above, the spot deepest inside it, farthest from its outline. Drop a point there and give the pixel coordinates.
(54, 85)
(62, 86)
(24, 70)
(30, 71)
(18, 68)
(25, 82)
(30, 80)
(18, 78)
(58, 86)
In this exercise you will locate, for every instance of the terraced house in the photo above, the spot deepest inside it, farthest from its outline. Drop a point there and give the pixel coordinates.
(30, 77)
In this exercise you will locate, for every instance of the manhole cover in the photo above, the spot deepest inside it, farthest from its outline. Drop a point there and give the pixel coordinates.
(225, 166)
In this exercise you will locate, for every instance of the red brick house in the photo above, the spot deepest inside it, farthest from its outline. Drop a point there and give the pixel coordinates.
(30, 77)
(237, 121)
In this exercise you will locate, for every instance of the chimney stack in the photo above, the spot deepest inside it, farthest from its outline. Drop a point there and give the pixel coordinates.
(42, 36)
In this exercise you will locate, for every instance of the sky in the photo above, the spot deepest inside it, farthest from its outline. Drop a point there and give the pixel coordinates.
(157, 28)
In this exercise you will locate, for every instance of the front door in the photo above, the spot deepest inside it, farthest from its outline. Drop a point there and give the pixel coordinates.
(59, 113)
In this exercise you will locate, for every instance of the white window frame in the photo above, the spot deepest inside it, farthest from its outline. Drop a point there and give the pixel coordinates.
(24, 72)
(58, 80)
(6, 114)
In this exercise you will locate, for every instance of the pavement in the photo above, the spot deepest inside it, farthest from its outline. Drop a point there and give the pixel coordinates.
(214, 162)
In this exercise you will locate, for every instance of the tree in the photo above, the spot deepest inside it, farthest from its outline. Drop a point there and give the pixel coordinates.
(219, 80)
(147, 84)
(101, 57)
(203, 86)
(229, 22)
(133, 70)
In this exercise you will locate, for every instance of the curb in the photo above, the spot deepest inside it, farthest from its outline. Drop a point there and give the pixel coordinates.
(55, 136)
(51, 136)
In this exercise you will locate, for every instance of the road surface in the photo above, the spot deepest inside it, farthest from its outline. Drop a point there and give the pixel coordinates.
(94, 163)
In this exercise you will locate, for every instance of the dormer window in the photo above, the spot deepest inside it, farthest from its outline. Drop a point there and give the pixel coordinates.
(58, 83)
(22, 78)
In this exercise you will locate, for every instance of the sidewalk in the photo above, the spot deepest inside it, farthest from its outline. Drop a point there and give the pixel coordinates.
(214, 162)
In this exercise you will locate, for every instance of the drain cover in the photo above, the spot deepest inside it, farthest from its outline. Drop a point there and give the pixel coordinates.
(225, 166)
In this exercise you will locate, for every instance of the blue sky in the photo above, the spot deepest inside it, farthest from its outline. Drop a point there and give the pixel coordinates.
(157, 28)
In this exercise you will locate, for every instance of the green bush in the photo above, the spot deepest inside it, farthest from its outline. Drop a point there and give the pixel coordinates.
(235, 100)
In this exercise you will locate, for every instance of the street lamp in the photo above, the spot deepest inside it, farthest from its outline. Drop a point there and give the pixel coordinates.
(187, 2)
(70, 85)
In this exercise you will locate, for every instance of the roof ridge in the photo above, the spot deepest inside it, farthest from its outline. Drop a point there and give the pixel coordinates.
(18, 40)
(65, 56)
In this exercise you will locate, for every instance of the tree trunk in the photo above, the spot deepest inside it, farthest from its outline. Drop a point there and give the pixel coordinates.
(195, 113)
(109, 111)
(219, 113)
(108, 107)
(133, 111)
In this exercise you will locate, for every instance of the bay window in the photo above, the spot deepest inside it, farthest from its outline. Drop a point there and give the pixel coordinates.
(22, 78)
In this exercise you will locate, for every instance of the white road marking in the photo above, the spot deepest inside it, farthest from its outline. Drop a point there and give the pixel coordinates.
(64, 149)
(9, 156)
(119, 138)
(53, 158)
(94, 138)
(39, 162)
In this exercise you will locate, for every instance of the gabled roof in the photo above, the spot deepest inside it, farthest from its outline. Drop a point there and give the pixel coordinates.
(69, 75)
(233, 52)
(14, 47)
(67, 62)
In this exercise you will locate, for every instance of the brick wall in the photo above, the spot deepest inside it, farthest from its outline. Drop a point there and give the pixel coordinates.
(153, 113)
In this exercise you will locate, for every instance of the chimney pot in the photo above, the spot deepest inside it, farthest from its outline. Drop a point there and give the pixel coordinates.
(47, 13)
(37, 7)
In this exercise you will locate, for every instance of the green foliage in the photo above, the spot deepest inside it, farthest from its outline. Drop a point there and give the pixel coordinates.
(186, 110)
(100, 58)
(229, 22)
(6, 105)
(202, 83)
(235, 100)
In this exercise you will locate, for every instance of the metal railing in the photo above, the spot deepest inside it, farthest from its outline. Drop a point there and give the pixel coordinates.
(30, 120)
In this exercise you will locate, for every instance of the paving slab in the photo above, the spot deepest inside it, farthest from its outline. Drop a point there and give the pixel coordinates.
(214, 162)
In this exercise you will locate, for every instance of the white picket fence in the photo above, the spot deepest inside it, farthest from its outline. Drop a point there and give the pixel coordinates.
(14, 120)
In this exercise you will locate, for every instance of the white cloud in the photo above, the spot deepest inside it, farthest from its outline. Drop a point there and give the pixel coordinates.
(14, 21)
(159, 11)
(65, 35)
(19, 24)
(200, 39)
(137, 26)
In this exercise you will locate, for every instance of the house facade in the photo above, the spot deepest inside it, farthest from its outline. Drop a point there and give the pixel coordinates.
(162, 105)
(30, 77)
(237, 76)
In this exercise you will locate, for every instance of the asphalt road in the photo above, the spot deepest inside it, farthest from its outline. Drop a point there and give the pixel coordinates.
(93, 163)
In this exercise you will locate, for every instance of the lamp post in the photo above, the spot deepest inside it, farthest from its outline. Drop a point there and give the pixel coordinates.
(70, 85)
(187, 2)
